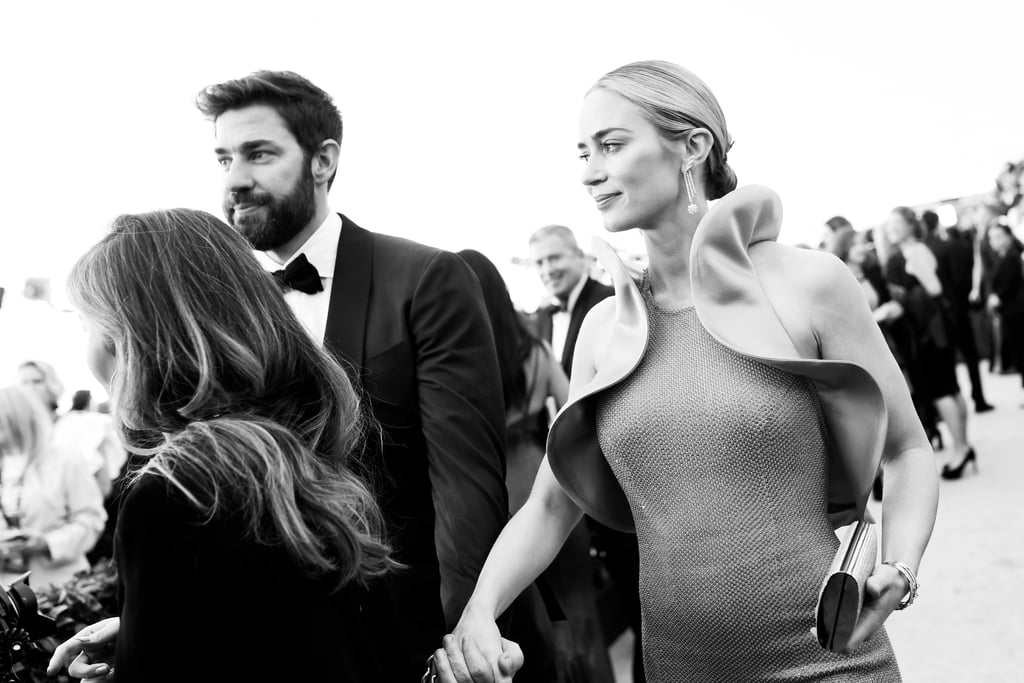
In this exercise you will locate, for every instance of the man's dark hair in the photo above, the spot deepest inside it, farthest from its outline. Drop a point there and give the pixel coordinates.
(308, 111)
(930, 221)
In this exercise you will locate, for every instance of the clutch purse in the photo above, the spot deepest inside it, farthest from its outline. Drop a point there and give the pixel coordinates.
(842, 595)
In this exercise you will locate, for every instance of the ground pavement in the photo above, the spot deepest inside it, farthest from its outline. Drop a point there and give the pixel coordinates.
(968, 623)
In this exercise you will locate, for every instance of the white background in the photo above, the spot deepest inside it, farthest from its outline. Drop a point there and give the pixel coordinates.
(461, 117)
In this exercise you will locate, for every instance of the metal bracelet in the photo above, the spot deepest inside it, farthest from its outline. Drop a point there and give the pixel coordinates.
(907, 573)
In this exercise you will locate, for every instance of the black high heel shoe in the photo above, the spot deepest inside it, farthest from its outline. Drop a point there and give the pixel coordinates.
(957, 472)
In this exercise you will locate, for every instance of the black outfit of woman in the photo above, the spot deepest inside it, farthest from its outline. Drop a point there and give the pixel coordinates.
(202, 602)
(932, 359)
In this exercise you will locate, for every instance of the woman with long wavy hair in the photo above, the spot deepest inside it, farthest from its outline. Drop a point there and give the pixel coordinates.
(246, 507)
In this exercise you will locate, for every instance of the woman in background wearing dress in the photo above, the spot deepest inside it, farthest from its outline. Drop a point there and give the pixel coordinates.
(41, 378)
(911, 271)
(731, 406)
(247, 509)
(51, 506)
(530, 377)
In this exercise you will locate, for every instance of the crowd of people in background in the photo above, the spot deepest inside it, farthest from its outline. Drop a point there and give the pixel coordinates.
(943, 295)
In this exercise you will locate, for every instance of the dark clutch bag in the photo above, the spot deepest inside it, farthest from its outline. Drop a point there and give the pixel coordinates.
(842, 595)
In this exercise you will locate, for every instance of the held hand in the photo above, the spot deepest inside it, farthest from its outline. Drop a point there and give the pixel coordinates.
(885, 588)
(476, 653)
(89, 654)
(476, 668)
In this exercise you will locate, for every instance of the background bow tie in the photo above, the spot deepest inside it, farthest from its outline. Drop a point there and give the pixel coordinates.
(300, 275)
(556, 307)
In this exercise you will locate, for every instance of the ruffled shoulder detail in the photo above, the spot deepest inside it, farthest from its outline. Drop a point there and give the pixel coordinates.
(735, 309)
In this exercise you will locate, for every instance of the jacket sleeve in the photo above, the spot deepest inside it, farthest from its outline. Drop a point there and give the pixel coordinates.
(85, 515)
(155, 566)
(462, 413)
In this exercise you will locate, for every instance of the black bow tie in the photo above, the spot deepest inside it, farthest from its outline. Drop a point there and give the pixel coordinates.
(557, 307)
(300, 275)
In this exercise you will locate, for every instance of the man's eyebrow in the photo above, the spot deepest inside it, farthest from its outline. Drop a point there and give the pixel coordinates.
(601, 133)
(248, 146)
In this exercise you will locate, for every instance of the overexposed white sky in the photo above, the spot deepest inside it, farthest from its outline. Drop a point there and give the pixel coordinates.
(461, 117)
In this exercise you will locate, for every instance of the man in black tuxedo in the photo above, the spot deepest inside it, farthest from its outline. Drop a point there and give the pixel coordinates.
(563, 268)
(408, 322)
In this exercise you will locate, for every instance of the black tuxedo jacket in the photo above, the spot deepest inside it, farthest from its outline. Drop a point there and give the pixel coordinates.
(592, 292)
(1008, 282)
(409, 323)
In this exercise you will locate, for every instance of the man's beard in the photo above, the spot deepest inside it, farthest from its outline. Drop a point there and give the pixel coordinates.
(285, 217)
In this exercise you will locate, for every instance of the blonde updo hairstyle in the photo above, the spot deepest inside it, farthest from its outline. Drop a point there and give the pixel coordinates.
(676, 101)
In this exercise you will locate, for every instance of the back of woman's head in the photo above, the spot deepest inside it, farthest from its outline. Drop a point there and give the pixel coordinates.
(676, 101)
(910, 221)
(201, 333)
(25, 425)
(198, 329)
(511, 338)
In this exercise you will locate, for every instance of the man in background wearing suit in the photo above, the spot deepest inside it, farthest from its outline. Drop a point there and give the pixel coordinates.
(564, 271)
(408, 322)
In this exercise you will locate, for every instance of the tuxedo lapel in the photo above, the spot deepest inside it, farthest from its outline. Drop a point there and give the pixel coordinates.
(350, 294)
(579, 312)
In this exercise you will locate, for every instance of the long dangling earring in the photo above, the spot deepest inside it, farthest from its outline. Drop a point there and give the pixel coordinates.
(691, 189)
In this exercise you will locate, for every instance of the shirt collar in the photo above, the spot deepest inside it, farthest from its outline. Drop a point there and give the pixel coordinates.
(321, 248)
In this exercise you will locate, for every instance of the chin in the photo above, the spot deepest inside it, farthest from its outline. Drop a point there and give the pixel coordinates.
(616, 224)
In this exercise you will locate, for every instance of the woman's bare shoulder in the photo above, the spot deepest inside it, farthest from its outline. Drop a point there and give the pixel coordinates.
(812, 292)
(805, 271)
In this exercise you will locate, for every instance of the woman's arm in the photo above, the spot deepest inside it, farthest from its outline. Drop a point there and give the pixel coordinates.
(846, 330)
(84, 513)
(527, 545)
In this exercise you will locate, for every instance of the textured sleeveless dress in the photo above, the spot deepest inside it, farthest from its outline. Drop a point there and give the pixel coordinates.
(724, 463)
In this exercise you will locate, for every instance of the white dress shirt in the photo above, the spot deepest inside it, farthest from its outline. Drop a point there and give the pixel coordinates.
(560, 319)
(321, 250)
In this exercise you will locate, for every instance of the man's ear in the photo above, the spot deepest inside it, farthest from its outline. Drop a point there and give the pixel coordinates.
(324, 163)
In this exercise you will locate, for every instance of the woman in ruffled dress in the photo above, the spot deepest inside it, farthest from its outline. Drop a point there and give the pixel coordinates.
(732, 406)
